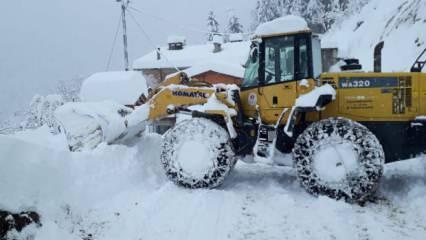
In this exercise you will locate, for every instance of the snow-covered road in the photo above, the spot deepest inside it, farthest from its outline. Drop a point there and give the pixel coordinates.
(118, 192)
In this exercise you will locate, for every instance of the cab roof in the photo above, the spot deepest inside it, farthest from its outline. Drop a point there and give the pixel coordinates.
(282, 26)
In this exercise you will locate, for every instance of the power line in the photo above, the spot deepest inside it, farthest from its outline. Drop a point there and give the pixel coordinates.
(174, 23)
(151, 42)
(114, 43)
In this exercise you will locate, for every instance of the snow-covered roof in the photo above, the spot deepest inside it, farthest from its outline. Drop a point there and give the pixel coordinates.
(234, 70)
(121, 87)
(287, 24)
(236, 37)
(176, 39)
(218, 39)
(232, 53)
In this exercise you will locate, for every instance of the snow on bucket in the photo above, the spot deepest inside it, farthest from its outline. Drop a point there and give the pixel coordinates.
(121, 87)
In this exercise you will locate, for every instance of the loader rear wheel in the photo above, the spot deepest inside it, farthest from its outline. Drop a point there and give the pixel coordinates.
(339, 158)
(197, 153)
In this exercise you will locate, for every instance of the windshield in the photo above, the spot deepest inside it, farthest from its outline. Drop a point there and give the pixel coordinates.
(251, 74)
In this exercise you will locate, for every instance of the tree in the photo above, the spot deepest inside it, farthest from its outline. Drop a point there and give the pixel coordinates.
(234, 25)
(268, 10)
(321, 15)
(70, 90)
(212, 26)
(42, 112)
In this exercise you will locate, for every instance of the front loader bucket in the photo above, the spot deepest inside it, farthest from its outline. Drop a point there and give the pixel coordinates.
(86, 125)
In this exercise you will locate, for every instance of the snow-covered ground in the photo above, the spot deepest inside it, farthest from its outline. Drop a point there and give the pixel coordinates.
(120, 192)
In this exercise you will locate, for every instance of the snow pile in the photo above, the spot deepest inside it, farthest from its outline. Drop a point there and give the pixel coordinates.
(62, 186)
(121, 87)
(285, 24)
(89, 124)
(234, 53)
(399, 23)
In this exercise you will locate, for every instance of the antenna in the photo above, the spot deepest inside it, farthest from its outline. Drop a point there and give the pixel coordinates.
(124, 5)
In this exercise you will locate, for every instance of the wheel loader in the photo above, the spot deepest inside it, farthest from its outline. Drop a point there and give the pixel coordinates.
(341, 128)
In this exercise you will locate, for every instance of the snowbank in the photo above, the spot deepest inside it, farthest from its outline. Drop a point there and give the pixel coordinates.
(121, 87)
(399, 23)
(62, 186)
(120, 192)
(285, 24)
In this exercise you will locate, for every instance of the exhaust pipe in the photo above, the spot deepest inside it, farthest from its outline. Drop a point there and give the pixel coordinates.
(378, 56)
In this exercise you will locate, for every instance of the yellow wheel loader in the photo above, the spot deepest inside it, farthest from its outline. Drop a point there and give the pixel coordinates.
(340, 127)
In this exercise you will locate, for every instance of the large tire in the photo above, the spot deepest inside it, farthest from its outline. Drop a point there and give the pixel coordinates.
(197, 153)
(339, 158)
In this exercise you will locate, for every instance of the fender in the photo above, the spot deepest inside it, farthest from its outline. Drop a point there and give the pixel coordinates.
(315, 100)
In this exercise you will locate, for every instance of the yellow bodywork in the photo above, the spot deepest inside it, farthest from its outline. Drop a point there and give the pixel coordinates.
(177, 92)
(285, 94)
(395, 97)
(402, 100)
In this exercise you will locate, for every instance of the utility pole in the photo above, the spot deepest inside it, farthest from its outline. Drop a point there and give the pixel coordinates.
(124, 5)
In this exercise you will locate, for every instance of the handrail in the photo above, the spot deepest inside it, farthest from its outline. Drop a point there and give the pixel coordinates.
(419, 65)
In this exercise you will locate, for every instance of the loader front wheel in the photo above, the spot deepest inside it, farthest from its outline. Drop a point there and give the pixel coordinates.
(197, 153)
(339, 158)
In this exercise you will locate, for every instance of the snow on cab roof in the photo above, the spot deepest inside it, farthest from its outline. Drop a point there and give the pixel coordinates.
(121, 87)
(230, 69)
(285, 24)
(191, 55)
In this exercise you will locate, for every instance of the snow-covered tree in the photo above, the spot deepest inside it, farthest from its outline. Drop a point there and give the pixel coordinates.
(268, 10)
(70, 90)
(212, 26)
(234, 25)
(320, 14)
(42, 111)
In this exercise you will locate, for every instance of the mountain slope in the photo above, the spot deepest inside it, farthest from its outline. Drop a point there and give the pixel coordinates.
(401, 24)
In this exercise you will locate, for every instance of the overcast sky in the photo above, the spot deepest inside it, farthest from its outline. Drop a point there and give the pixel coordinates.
(45, 41)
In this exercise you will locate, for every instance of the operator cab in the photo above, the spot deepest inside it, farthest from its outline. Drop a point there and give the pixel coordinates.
(283, 50)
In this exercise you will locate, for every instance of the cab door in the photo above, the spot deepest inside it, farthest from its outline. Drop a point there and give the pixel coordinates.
(285, 63)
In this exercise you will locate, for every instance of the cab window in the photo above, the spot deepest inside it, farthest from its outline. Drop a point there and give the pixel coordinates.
(279, 60)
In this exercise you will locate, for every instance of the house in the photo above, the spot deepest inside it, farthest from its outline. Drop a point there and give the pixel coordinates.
(209, 61)
(216, 72)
